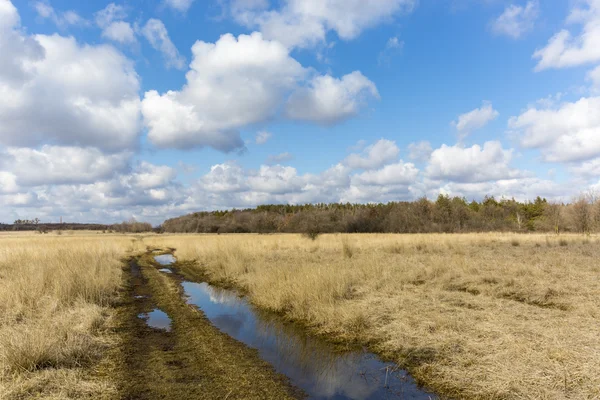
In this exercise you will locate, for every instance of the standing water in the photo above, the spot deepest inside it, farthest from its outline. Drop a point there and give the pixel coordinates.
(310, 363)
(165, 259)
(157, 319)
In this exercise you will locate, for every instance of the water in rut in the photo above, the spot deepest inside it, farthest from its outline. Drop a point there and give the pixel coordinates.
(311, 363)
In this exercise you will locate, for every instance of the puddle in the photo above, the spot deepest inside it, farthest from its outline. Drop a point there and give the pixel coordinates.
(310, 363)
(157, 319)
(165, 259)
(166, 270)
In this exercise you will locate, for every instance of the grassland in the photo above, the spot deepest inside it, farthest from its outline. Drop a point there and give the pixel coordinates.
(69, 328)
(474, 316)
(56, 297)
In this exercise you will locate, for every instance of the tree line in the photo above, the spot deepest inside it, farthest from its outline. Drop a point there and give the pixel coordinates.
(130, 226)
(445, 214)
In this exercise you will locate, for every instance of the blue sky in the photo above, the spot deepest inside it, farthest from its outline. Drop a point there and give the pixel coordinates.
(112, 110)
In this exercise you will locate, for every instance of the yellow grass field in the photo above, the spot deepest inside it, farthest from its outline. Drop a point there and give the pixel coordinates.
(474, 316)
(56, 294)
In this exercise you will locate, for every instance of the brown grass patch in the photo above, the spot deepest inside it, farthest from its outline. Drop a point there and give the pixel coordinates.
(471, 316)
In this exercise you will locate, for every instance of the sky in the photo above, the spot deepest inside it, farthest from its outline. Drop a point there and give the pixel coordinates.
(155, 109)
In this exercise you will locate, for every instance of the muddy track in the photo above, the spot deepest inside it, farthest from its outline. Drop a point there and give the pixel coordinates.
(193, 360)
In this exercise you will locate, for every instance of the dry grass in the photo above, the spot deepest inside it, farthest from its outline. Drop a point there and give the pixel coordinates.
(55, 293)
(478, 316)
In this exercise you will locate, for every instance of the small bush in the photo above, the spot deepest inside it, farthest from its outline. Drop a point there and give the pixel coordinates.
(515, 243)
(311, 234)
(563, 242)
(347, 250)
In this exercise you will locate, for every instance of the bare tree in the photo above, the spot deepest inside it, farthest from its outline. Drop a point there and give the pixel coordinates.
(553, 214)
(582, 214)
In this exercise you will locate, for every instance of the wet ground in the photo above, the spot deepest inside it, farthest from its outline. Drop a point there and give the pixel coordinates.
(190, 340)
(310, 363)
(170, 350)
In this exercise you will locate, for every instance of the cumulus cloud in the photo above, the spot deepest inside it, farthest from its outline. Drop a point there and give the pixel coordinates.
(471, 164)
(374, 156)
(567, 50)
(420, 151)
(231, 84)
(56, 165)
(8, 182)
(237, 82)
(95, 104)
(263, 137)
(329, 100)
(9, 17)
(62, 19)
(393, 174)
(594, 77)
(156, 33)
(565, 133)
(305, 23)
(516, 20)
(521, 189)
(475, 119)
(120, 31)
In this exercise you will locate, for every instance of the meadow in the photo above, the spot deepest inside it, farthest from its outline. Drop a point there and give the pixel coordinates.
(473, 316)
(56, 298)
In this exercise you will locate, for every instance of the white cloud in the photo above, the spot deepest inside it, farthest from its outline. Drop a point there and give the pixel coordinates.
(588, 170)
(475, 119)
(564, 49)
(394, 174)
(472, 164)
(95, 104)
(179, 5)
(56, 165)
(227, 177)
(9, 16)
(237, 82)
(63, 19)
(305, 23)
(420, 151)
(110, 14)
(521, 189)
(569, 132)
(8, 182)
(120, 31)
(263, 137)
(156, 33)
(594, 77)
(150, 176)
(329, 100)
(280, 158)
(382, 152)
(516, 20)
(231, 84)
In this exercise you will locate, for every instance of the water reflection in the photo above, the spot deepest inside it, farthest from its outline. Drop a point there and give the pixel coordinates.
(157, 319)
(165, 259)
(310, 363)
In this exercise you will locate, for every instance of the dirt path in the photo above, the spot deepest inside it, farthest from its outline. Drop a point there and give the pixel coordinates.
(193, 360)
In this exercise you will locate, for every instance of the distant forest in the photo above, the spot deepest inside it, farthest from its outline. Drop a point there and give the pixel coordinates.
(131, 226)
(446, 214)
